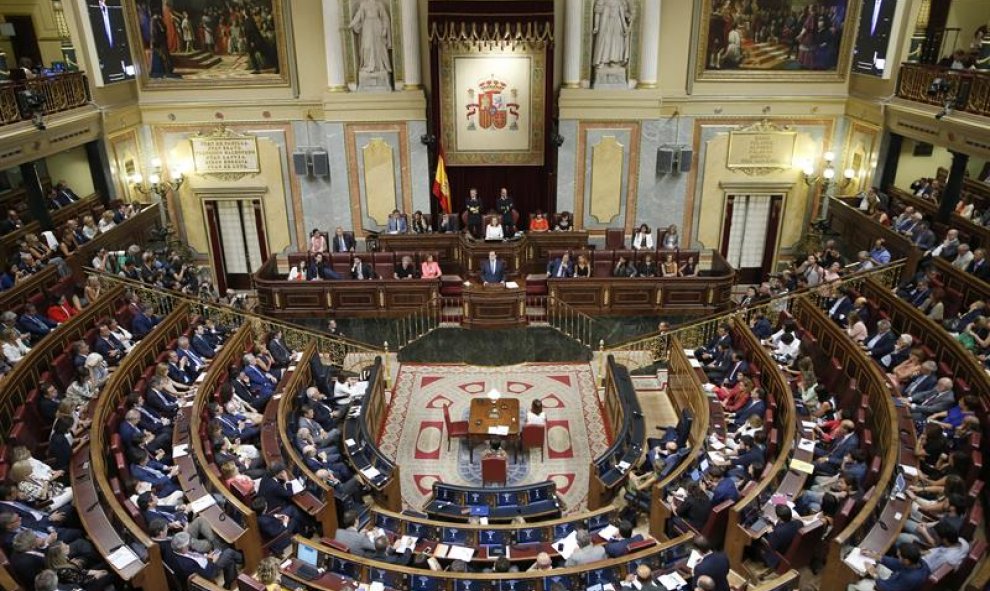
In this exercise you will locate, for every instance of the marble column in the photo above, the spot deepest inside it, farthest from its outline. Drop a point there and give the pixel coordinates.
(649, 44)
(334, 47)
(410, 44)
(572, 43)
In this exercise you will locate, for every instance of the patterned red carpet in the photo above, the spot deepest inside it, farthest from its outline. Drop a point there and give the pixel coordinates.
(415, 439)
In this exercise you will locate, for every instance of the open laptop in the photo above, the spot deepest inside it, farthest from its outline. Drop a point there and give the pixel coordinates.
(310, 559)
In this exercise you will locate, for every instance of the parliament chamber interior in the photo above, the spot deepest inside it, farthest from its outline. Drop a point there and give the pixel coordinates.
(494, 295)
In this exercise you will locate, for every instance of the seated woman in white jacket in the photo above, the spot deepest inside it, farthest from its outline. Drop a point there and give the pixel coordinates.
(493, 231)
(643, 240)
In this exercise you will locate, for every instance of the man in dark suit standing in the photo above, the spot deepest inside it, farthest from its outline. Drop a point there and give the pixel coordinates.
(713, 564)
(106, 18)
(342, 242)
(493, 269)
(873, 37)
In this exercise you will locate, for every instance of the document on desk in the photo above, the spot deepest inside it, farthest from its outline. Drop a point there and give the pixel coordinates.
(460, 553)
(406, 543)
(694, 558)
(370, 472)
(806, 445)
(716, 457)
(512, 285)
(566, 546)
(376, 586)
(121, 557)
(672, 581)
(202, 503)
(180, 450)
(809, 424)
(503, 430)
(608, 532)
(441, 551)
(715, 443)
(858, 562)
(350, 442)
(909, 471)
(802, 466)
(297, 486)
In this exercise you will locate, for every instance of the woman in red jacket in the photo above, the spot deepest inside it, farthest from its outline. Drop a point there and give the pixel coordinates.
(61, 311)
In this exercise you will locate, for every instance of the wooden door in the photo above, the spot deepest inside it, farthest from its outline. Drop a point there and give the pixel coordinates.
(751, 225)
(238, 243)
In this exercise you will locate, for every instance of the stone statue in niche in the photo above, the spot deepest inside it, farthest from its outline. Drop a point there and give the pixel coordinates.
(373, 26)
(612, 28)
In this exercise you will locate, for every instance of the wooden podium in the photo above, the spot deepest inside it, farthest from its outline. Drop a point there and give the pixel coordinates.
(493, 306)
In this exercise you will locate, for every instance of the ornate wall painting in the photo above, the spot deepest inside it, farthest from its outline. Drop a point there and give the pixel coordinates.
(807, 40)
(209, 43)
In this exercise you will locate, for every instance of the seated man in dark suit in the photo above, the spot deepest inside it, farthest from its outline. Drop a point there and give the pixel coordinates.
(780, 537)
(202, 537)
(561, 267)
(200, 344)
(829, 462)
(755, 406)
(274, 525)
(708, 351)
(27, 559)
(159, 475)
(620, 546)
(384, 553)
(37, 325)
(882, 342)
(361, 270)
(162, 402)
(342, 242)
(107, 345)
(49, 401)
(187, 562)
(142, 323)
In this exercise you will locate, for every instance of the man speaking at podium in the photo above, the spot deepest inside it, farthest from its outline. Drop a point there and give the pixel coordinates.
(492, 270)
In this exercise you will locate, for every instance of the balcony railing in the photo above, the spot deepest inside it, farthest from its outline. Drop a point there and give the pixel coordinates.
(61, 91)
(971, 86)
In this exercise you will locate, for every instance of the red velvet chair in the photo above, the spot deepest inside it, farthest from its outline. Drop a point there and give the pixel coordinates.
(534, 436)
(494, 470)
(454, 428)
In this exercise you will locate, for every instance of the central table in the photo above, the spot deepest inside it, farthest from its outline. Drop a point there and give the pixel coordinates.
(487, 414)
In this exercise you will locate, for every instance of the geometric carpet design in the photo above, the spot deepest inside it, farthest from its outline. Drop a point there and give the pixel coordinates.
(414, 436)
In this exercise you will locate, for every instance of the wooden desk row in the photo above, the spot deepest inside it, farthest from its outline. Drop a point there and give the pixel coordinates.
(644, 295)
(859, 233)
(624, 423)
(884, 423)
(152, 575)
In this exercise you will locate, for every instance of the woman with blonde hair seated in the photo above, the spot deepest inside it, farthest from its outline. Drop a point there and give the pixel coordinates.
(268, 574)
(36, 490)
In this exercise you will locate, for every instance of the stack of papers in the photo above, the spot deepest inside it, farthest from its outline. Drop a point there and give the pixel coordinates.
(567, 546)
(121, 557)
(909, 471)
(802, 466)
(858, 562)
(623, 466)
(350, 442)
(608, 532)
(806, 445)
(672, 581)
(370, 472)
(297, 486)
(377, 586)
(202, 503)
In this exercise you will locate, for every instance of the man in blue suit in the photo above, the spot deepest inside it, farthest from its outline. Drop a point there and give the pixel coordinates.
(924, 381)
(236, 426)
(187, 562)
(35, 324)
(841, 306)
(493, 269)
(620, 546)
(273, 525)
(162, 402)
(737, 368)
(882, 342)
(755, 406)
(561, 267)
(194, 363)
(134, 437)
(200, 344)
(828, 463)
(154, 472)
(714, 565)
(108, 345)
(141, 323)
(780, 537)
(725, 486)
(261, 381)
(397, 223)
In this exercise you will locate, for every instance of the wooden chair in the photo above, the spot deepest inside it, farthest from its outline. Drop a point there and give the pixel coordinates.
(534, 436)
(615, 238)
(454, 428)
(494, 470)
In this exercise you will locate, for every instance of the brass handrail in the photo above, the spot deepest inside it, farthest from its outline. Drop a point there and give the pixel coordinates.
(336, 347)
(649, 349)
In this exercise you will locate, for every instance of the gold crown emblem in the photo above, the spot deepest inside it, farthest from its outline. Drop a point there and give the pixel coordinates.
(492, 85)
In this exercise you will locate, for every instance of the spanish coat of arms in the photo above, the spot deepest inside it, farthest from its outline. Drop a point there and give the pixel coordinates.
(492, 106)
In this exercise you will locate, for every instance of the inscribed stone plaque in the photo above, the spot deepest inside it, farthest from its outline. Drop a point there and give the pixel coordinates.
(761, 149)
(225, 155)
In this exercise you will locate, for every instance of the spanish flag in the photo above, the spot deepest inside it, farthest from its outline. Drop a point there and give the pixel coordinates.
(441, 186)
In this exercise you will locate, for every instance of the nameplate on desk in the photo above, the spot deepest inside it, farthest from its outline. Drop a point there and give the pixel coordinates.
(503, 430)
(202, 503)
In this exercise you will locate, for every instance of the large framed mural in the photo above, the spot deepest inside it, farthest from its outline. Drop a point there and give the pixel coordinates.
(210, 43)
(492, 104)
(775, 40)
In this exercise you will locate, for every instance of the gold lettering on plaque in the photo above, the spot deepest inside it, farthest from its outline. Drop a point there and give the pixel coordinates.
(225, 152)
(760, 148)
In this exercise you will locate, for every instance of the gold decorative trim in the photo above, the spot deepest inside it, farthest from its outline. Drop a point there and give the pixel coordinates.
(702, 74)
(340, 88)
(487, 35)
